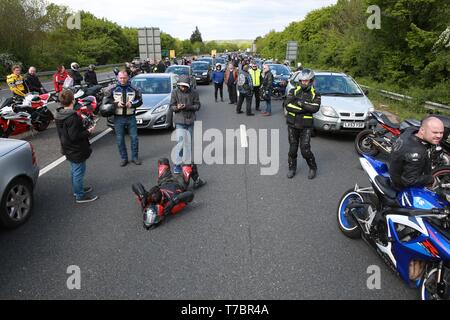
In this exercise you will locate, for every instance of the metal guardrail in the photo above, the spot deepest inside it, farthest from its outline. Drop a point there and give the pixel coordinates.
(49, 73)
(400, 97)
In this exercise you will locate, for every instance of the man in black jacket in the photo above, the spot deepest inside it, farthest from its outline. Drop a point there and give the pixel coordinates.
(75, 145)
(301, 104)
(33, 82)
(90, 76)
(410, 163)
(75, 74)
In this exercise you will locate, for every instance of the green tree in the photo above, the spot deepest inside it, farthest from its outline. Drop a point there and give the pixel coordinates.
(196, 36)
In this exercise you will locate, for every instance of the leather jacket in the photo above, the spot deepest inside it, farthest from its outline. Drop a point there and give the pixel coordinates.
(410, 162)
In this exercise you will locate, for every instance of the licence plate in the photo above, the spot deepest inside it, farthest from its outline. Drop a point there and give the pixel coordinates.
(139, 121)
(197, 78)
(353, 125)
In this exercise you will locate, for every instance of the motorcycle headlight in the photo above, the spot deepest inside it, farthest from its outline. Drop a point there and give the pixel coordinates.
(205, 73)
(162, 108)
(329, 112)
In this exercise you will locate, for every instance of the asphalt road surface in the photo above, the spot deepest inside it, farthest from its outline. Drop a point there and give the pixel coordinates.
(246, 236)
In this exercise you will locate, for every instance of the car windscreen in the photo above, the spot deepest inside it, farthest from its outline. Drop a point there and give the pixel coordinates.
(220, 60)
(177, 70)
(336, 85)
(199, 66)
(279, 70)
(153, 85)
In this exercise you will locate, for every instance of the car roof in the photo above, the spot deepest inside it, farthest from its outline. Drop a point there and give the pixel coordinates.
(329, 73)
(152, 75)
(202, 62)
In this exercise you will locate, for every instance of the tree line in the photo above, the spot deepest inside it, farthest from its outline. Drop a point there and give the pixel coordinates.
(406, 52)
(37, 33)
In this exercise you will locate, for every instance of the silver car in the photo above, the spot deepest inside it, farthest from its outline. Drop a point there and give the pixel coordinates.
(345, 106)
(19, 174)
(156, 89)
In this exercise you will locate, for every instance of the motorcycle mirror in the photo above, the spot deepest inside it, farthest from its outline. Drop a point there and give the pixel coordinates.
(366, 92)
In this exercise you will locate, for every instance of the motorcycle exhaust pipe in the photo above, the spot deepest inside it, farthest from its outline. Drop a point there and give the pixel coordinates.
(379, 145)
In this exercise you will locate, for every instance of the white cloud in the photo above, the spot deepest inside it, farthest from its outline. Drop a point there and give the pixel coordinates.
(216, 19)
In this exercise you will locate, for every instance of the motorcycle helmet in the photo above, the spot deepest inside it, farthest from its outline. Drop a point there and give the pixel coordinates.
(151, 217)
(74, 66)
(107, 110)
(91, 67)
(306, 74)
(218, 65)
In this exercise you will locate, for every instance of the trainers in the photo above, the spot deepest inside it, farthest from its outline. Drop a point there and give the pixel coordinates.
(250, 114)
(177, 169)
(137, 162)
(123, 163)
(85, 190)
(86, 199)
(239, 112)
(199, 183)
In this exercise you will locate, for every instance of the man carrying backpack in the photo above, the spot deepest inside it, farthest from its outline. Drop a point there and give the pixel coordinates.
(245, 88)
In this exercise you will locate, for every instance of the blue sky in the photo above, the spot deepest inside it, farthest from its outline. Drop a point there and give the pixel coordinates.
(216, 19)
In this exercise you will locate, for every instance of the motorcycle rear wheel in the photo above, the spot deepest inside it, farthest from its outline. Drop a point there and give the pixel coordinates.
(345, 222)
(441, 175)
(364, 145)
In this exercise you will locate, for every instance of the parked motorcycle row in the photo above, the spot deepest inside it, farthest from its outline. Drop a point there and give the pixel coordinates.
(410, 229)
(18, 115)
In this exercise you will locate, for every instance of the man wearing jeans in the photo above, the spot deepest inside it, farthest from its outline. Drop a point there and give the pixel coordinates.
(126, 99)
(184, 103)
(75, 145)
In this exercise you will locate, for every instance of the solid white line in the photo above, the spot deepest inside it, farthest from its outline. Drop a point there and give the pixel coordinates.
(56, 163)
(244, 143)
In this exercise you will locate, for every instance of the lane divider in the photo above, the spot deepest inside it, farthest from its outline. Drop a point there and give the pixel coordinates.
(56, 163)
(244, 142)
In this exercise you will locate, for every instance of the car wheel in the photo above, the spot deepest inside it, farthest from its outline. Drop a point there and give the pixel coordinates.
(17, 203)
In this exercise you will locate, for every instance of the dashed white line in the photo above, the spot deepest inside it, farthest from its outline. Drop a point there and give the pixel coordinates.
(56, 163)
(244, 142)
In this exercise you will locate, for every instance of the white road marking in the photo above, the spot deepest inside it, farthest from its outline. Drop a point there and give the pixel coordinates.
(56, 163)
(244, 142)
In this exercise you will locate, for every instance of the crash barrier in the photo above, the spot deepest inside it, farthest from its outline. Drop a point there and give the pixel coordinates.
(400, 97)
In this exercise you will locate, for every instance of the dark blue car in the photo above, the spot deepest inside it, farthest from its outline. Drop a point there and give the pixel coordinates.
(281, 74)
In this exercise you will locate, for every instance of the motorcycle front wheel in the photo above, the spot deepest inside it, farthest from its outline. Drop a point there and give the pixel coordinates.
(428, 288)
(364, 144)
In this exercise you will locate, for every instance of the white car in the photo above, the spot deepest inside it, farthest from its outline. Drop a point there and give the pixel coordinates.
(345, 106)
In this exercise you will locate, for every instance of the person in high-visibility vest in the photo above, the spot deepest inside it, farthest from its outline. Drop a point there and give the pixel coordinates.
(256, 75)
(302, 102)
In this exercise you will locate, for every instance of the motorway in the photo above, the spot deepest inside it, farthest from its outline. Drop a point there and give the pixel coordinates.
(246, 236)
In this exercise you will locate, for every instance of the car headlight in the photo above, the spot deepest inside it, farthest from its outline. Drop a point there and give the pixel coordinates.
(371, 109)
(204, 73)
(329, 112)
(162, 108)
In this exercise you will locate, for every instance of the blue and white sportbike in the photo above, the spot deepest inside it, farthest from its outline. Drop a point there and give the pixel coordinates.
(409, 229)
